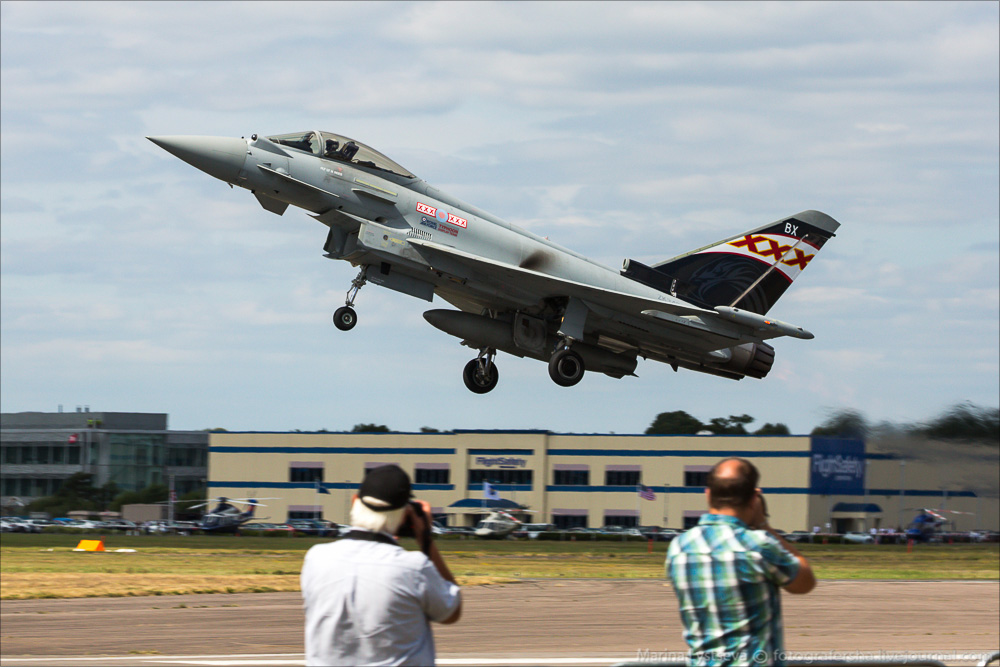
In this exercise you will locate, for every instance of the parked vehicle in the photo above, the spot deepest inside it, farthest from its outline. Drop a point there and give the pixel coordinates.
(21, 525)
(533, 530)
(799, 536)
(314, 527)
(853, 537)
(120, 524)
(267, 528)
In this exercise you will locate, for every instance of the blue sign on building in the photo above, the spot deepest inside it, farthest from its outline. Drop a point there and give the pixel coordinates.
(837, 467)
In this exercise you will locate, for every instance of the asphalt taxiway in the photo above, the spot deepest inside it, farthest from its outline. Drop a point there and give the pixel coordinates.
(543, 622)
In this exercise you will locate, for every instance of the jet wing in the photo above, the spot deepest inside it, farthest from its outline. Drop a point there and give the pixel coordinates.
(543, 285)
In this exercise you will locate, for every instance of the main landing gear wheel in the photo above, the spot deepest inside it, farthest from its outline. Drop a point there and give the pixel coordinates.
(481, 376)
(566, 368)
(344, 318)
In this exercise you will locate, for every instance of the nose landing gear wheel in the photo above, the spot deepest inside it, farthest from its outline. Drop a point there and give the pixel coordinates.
(566, 368)
(479, 381)
(344, 318)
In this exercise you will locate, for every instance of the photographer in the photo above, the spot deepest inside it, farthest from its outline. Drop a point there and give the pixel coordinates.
(727, 572)
(367, 600)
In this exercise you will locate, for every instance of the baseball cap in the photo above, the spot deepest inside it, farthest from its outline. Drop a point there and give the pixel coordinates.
(389, 484)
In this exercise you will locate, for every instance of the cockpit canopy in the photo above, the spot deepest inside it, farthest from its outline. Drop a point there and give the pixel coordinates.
(337, 147)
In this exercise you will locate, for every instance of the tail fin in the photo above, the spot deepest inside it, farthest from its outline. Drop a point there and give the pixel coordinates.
(749, 271)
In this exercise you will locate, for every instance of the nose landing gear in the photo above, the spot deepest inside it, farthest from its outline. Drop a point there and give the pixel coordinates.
(481, 374)
(344, 318)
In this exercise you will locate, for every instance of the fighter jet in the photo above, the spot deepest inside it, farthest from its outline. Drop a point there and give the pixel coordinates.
(514, 291)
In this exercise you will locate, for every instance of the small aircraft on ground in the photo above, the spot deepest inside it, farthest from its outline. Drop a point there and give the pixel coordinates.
(497, 525)
(926, 525)
(516, 292)
(225, 517)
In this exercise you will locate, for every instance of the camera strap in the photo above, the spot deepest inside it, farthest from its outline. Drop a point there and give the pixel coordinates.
(367, 536)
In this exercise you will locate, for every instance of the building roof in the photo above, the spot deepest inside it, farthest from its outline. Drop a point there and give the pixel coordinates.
(479, 503)
(871, 508)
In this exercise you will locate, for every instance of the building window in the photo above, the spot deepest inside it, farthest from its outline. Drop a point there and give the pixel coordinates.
(299, 514)
(571, 478)
(624, 521)
(565, 521)
(518, 476)
(74, 456)
(305, 475)
(621, 477)
(426, 476)
(691, 521)
(695, 478)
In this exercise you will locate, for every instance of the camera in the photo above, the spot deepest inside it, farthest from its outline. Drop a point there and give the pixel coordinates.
(422, 509)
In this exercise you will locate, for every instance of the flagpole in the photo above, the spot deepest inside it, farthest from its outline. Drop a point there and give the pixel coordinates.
(638, 506)
(666, 513)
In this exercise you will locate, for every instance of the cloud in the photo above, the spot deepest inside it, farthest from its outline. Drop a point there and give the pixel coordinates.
(620, 130)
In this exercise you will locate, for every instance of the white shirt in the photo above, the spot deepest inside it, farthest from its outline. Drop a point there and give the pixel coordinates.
(369, 603)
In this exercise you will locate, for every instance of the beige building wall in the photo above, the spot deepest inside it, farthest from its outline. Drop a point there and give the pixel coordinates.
(243, 465)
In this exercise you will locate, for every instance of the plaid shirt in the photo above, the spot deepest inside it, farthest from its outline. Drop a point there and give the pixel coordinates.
(727, 580)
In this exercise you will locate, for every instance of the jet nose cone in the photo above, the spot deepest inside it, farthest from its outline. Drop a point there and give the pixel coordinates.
(222, 157)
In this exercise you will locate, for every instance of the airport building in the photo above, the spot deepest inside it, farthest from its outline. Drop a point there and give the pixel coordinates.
(583, 480)
(40, 450)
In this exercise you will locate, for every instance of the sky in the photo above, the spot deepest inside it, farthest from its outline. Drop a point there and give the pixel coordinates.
(131, 282)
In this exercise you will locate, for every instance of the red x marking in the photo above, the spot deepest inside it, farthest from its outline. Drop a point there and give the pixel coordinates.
(774, 249)
(750, 242)
(801, 259)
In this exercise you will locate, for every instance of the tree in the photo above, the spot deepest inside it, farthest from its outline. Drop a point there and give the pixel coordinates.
(155, 493)
(732, 426)
(106, 495)
(428, 429)
(370, 428)
(76, 493)
(965, 421)
(674, 423)
(843, 424)
(78, 485)
(773, 429)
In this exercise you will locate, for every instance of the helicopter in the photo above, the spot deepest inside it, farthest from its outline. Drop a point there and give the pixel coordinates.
(497, 525)
(226, 517)
(926, 525)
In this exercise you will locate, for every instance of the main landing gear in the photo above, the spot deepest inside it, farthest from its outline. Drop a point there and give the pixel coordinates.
(344, 318)
(481, 374)
(566, 367)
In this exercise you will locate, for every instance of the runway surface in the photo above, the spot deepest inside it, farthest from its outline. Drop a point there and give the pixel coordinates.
(535, 622)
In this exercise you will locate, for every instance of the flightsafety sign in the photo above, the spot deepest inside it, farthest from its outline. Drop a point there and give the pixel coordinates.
(837, 467)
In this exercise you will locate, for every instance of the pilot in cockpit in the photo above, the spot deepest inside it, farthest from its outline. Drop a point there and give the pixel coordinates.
(332, 146)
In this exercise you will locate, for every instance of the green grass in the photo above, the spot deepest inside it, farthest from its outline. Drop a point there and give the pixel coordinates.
(35, 566)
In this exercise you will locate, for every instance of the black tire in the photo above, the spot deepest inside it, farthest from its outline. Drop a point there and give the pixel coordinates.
(566, 368)
(344, 318)
(476, 383)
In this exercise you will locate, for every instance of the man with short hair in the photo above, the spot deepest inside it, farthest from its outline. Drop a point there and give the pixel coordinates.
(367, 600)
(727, 570)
